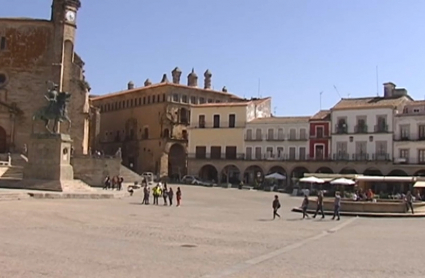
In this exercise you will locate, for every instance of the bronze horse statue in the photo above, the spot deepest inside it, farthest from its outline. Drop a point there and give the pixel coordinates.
(56, 111)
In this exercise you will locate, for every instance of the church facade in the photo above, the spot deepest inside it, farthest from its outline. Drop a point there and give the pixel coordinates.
(34, 54)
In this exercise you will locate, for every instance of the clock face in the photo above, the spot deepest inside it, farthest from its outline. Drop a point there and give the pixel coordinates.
(70, 16)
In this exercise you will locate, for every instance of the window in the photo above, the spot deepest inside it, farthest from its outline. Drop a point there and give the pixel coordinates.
(232, 120)
(279, 152)
(201, 121)
(269, 152)
(258, 153)
(149, 99)
(258, 135)
(381, 124)
(200, 152)
(248, 153)
(216, 121)
(361, 150)
(215, 152)
(415, 110)
(303, 154)
(404, 153)
(145, 133)
(166, 133)
(319, 132)
(184, 99)
(404, 132)
(144, 100)
(153, 99)
(292, 134)
(249, 134)
(217, 101)
(319, 152)
(341, 127)
(381, 147)
(210, 100)
(184, 135)
(231, 152)
(127, 104)
(341, 150)
(193, 100)
(175, 97)
(303, 134)
(421, 129)
(163, 98)
(280, 135)
(292, 153)
(158, 98)
(201, 100)
(270, 134)
(184, 119)
(3, 79)
(2, 43)
(421, 156)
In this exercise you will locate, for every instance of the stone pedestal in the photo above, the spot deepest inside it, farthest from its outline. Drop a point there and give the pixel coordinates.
(49, 158)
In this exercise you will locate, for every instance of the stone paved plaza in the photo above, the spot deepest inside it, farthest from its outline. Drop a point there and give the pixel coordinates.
(216, 233)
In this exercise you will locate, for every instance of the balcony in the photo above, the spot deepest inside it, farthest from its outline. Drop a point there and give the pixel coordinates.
(341, 129)
(341, 157)
(275, 138)
(294, 138)
(409, 160)
(360, 156)
(381, 156)
(253, 138)
(381, 128)
(360, 129)
(221, 124)
(222, 156)
(409, 137)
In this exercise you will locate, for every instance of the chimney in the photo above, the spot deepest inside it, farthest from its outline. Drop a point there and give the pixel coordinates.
(224, 90)
(130, 85)
(207, 80)
(176, 73)
(192, 79)
(389, 88)
(164, 78)
(148, 82)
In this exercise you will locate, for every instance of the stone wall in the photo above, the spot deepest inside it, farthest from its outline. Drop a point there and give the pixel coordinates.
(94, 170)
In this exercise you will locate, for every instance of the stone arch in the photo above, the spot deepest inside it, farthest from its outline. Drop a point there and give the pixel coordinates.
(348, 171)
(325, 170)
(420, 173)
(3, 140)
(253, 174)
(208, 172)
(277, 169)
(177, 161)
(397, 173)
(166, 133)
(372, 172)
(184, 115)
(231, 174)
(297, 173)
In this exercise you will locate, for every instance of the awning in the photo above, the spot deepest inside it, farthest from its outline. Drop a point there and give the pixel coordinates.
(420, 184)
(385, 179)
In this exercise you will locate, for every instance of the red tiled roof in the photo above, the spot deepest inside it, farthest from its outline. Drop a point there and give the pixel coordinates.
(322, 115)
(369, 102)
(229, 104)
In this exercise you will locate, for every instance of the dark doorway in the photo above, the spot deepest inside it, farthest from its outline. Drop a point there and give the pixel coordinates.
(177, 161)
(3, 140)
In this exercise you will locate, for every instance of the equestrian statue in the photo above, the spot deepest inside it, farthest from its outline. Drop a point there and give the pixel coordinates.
(55, 110)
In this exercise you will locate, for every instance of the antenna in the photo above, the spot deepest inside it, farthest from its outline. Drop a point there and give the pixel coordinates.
(337, 91)
(377, 85)
(321, 99)
(259, 87)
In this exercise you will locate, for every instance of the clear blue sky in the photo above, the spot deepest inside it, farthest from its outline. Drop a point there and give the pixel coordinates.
(297, 48)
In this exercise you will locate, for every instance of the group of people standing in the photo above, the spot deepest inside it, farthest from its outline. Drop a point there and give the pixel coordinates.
(319, 207)
(161, 191)
(113, 183)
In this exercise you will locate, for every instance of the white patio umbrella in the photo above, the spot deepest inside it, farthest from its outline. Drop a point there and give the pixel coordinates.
(343, 181)
(275, 176)
(311, 180)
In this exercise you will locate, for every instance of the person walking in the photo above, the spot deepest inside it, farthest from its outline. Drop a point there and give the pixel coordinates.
(178, 196)
(276, 206)
(170, 196)
(409, 202)
(145, 195)
(165, 194)
(319, 204)
(107, 183)
(337, 206)
(304, 206)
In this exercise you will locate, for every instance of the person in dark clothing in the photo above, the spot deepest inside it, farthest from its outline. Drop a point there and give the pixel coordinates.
(120, 181)
(409, 202)
(170, 196)
(178, 196)
(145, 195)
(319, 204)
(304, 207)
(107, 183)
(275, 206)
(337, 206)
(165, 194)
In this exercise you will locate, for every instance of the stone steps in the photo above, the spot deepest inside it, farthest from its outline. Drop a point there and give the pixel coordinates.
(11, 172)
(128, 175)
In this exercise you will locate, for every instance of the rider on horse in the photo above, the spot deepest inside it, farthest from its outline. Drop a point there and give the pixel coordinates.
(51, 97)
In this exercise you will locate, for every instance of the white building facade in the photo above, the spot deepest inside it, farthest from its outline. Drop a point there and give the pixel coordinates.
(409, 134)
(363, 128)
(277, 138)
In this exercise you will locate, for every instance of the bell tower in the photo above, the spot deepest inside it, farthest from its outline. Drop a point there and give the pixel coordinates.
(64, 19)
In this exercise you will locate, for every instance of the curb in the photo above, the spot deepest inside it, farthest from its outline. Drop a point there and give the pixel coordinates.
(368, 214)
(86, 196)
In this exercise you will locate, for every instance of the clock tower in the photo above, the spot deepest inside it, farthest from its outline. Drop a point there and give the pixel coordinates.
(64, 19)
